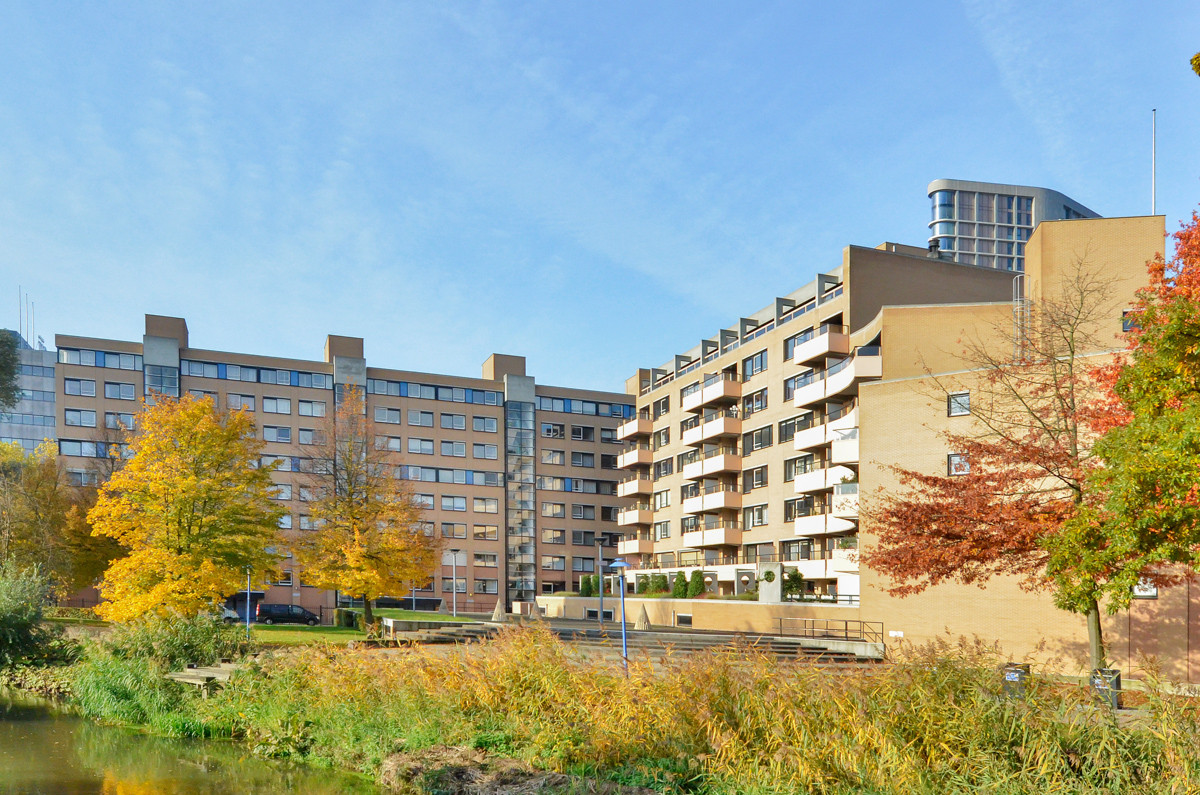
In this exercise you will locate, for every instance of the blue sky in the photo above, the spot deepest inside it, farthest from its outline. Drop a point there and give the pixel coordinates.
(430, 176)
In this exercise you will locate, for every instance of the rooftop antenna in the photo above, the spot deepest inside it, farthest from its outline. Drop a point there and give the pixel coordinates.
(1153, 158)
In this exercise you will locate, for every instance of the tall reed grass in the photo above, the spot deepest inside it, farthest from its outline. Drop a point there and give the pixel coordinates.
(720, 722)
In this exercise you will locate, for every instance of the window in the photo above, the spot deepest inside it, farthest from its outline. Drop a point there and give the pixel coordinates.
(386, 415)
(454, 422)
(663, 468)
(795, 466)
(454, 504)
(161, 379)
(454, 530)
(203, 394)
(117, 420)
(454, 449)
(311, 408)
(553, 457)
(488, 451)
(754, 403)
(423, 501)
(118, 391)
(689, 523)
(662, 499)
(308, 494)
(756, 440)
(285, 522)
(272, 433)
(310, 436)
(583, 564)
(457, 586)
(81, 417)
(583, 538)
(755, 516)
(554, 562)
(583, 433)
(958, 404)
(486, 505)
(240, 402)
(787, 430)
(583, 512)
(486, 532)
(662, 530)
(789, 345)
(420, 446)
(552, 430)
(281, 491)
(608, 513)
(82, 477)
(487, 586)
(422, 419)
(554, 536)
(754, 365)
(789, 386)
(660, 438)
(608, 461)
(483, 424)
(277, 405)
(555, 510)
(661, 406)
(583, 460)
(285, 578)
(754, 478)
(609, 435)
(957, 464)
(80, 386)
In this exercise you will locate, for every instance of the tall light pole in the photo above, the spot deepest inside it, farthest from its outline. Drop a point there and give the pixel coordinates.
(620, 566)
(600, 574)
(247, 603)
(454, 581)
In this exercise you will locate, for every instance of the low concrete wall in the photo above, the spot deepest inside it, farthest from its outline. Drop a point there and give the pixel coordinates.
(722, 614)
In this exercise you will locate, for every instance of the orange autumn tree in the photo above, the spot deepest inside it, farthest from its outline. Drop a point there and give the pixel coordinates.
(368, 538)
(193, 508)
(1028, 456)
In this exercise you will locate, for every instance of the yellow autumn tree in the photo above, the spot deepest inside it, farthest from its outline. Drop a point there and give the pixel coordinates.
(368, 540)
(192, 506)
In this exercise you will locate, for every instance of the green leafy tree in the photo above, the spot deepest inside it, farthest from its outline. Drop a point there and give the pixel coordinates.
(22, 594)
(10, 363)
(585, 586)
(696, 584)
(680, 589)
(1148, 524)
(793, 584)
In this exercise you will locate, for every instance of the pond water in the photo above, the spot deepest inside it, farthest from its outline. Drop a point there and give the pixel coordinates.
(44, 750)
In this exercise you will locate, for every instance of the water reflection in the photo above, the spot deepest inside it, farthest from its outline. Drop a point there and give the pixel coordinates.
(45, 751)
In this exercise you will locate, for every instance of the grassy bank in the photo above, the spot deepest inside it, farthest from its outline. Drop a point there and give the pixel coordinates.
(719, 722)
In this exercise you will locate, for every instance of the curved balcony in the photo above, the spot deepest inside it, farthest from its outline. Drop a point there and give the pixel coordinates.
(716, 388)
(639, 514)
(823, 433)
(844, 446)
(840, 378)
(821, 479)
(845, 501)
(639, 455)
(821, 524)
(717, 534)
(641, 425)
(714, 462)
(716, 425)
(634, 486)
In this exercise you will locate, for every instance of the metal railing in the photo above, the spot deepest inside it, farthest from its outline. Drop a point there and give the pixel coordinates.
(832, 628)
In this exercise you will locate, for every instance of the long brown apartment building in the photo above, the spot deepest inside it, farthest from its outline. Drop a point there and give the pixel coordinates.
(519, 479)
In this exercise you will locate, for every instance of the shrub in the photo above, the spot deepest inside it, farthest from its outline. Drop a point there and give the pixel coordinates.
(585, 586)
(680, 589)
(793, 584)
(22, 594)
(658, 583)
(696, 584)
(643, 583)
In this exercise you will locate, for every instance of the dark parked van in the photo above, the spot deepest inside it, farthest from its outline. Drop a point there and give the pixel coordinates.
(285, 614)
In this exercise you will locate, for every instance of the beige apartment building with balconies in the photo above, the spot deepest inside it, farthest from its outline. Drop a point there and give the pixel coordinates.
(518, 479)
(745, 448)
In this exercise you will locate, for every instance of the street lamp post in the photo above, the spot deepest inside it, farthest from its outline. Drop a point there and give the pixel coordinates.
(454, 582)
(600, 574)
(247, 603)
(620, 566)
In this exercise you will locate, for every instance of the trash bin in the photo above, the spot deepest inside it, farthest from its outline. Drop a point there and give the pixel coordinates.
(1016, 679)
(1106, 684)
